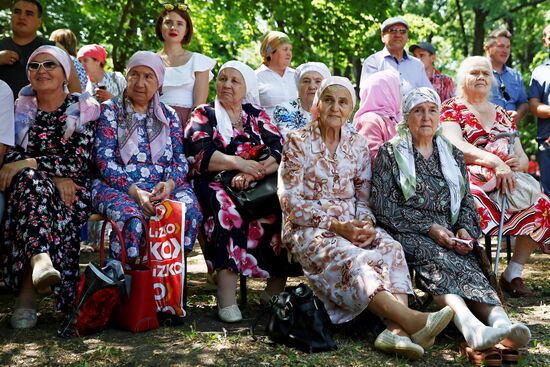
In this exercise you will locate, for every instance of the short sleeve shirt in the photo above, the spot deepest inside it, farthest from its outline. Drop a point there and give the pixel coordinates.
(7, 132)
(539, 88)
(512, 84)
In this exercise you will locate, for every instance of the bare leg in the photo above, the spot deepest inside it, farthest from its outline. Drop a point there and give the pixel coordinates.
(524, 248)
(27, 294)
(275, 285)
(227, 285)
(477, 335)
(396, 314)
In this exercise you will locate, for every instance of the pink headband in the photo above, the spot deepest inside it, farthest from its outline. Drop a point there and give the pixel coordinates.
(94, 51)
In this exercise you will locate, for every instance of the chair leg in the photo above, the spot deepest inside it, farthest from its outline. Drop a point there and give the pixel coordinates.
(242, 286)
(508, 249)
(488, 248)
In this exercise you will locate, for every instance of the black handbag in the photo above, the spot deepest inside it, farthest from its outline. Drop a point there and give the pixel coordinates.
(297, 318)
(258, 201)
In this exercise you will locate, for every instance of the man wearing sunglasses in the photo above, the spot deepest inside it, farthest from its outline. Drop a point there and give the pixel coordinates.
(395, 34)
(26, 19)
(539, 102)
(508, 90)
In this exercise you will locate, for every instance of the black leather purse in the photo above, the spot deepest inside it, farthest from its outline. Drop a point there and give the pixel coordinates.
(297, 318)
(258, 201)
(260, 198)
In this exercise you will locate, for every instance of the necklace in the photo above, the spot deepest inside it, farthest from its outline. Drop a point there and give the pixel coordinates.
(238, 121)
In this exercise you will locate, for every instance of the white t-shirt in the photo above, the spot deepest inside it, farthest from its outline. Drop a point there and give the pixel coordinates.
(275, 89)
(7, 127)
(179, 81)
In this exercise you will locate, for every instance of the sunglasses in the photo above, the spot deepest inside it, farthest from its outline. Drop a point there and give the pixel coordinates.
(504, 92)
(397, 30)
(47, 65)
(170, 7)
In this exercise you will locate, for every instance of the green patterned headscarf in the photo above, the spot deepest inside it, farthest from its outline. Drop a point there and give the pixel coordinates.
(403, 151)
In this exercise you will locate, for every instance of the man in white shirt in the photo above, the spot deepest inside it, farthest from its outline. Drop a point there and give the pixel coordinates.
(7, 130)
(395, 34)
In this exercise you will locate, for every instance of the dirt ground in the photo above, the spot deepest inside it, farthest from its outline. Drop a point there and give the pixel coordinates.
(204, 341)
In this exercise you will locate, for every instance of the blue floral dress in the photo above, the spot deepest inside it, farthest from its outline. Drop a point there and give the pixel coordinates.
(37, 220)
(290, 116)
(249, 247)
(110, 191)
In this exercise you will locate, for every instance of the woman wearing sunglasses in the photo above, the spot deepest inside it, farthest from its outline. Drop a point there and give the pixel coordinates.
(46, 182)
(187, 73)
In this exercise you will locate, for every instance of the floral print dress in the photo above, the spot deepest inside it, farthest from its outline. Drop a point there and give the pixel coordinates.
(249, 247)
(315, 187)
(37, 220)
(110, 191)
(533, 221)
(439, 270)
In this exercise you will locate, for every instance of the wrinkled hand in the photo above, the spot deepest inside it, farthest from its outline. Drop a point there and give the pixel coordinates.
(253, 168)
(513, 115)
(360, 233)
(461, 248)
(506, 181)
(442, 236)
(9, 170)
(67, 189)
(143, 199)
(8, 57)
(162, 191)
(513, 162)
(242, 181)
(103, 95)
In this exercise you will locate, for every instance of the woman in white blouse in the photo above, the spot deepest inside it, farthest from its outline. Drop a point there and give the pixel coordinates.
(187, 73)
(275, 76)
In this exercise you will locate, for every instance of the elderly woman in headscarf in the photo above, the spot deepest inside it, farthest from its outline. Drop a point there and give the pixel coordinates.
(140, 157)
(350, 263)
(276, 82)
(222, 136)
(420, 195)
(46, 181)
(379, 110)
(295, 114)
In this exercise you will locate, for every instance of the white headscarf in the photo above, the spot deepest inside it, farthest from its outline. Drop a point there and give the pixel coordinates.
(225, 127)
(404, 156)
(333, 80)
(318, 67)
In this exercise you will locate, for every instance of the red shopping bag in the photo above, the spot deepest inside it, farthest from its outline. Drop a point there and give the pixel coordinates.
(99, 291)
(166, 233)
(136, 310)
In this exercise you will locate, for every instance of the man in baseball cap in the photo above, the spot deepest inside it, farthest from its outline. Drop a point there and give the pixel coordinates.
(395, 34)
(442, 83)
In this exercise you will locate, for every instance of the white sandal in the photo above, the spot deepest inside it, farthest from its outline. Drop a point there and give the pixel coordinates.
(230, 314)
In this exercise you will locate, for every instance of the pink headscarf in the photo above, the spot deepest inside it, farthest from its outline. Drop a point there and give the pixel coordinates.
(160, 134)
(381, 95)
(94, 51)
(78, 114)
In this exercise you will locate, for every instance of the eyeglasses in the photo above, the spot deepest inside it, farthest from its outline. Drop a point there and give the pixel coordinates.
(47, 65)
(170, 7)
(504, 92)
(395, 31)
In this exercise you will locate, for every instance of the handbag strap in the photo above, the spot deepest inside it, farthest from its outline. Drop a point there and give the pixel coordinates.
(115, 228)
(147, 257)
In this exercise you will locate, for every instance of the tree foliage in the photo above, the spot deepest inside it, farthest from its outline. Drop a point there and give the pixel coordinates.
(340, 33)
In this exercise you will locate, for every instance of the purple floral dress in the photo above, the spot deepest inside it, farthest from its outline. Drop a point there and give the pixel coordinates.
(37, 220)
(110, 191)
(252, 248)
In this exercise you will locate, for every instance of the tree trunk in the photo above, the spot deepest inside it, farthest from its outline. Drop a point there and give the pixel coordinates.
(117, 63)
(462, 28)
(479, 30)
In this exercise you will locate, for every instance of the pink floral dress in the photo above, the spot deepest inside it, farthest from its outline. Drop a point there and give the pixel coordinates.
(315, 187)
(248, 247)
(533, 221)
